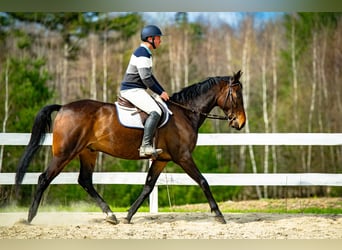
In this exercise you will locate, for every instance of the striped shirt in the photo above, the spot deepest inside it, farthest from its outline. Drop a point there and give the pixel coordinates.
(139, 72)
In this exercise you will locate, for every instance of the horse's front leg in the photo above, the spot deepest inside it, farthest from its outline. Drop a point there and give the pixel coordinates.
(151, 179)
(191, 169)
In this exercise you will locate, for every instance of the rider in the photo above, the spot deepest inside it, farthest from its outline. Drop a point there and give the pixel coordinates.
(137, 79)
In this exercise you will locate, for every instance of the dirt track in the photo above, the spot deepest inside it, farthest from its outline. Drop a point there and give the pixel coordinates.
(199, 225)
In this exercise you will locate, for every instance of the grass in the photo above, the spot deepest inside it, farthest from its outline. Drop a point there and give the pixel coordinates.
(293, 206)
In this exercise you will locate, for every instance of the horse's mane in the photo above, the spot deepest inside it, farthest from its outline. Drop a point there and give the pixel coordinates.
(195, 90)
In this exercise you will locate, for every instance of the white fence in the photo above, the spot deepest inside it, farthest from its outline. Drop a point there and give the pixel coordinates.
(309, 179)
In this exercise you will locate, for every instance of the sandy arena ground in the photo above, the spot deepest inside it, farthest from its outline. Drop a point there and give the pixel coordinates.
(198, 225)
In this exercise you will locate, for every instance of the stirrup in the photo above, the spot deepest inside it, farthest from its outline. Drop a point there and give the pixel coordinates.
(148, 150)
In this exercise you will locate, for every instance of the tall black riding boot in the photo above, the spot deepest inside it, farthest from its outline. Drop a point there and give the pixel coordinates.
(146, 148)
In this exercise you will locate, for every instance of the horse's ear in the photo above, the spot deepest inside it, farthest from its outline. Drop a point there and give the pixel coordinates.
(237, 75)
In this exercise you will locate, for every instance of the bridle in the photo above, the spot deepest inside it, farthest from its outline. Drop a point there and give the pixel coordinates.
(227, 117)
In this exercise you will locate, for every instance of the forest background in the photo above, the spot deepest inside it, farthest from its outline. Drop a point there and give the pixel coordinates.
(292, 73)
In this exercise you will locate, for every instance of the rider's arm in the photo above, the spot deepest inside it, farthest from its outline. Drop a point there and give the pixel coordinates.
(150, 81)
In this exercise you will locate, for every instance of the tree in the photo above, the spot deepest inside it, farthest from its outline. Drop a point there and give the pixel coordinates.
(275, 45)
(72, 27)
(26, 93)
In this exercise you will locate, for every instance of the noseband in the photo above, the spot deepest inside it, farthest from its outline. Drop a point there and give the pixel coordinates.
(228, 117)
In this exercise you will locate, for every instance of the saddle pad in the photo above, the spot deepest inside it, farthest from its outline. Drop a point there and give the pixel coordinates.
(130, 117)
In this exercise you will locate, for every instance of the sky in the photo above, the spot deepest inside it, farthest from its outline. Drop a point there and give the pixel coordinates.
(231, 18)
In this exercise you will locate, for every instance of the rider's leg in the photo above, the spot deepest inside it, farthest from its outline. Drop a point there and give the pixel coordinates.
(146, 148)
(141, 99)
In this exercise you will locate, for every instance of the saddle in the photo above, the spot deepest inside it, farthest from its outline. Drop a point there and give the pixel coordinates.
(132, 117)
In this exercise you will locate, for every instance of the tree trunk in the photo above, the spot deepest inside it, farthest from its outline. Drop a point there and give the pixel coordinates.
(210, 46)
(63, 88)
(93, 91)
(176, 62)
(294, 74)
(186, 57)
(4, 122)
(171, 66)
(265, 116)
(336, 95)
(274, 104)
(295, 86)
(323, 121)
(227, 40)
(105, 68)
(246, 69)
(313, 97)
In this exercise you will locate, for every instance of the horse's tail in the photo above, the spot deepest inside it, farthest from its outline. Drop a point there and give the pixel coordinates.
(41, 126)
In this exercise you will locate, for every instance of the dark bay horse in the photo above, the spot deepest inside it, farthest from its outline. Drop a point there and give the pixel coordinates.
(85, 127)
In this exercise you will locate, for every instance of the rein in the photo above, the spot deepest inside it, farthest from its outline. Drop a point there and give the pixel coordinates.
(210, 116)
(207, 115)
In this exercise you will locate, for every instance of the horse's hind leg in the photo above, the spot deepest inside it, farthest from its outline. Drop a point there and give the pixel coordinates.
(55, 167)
(85, 179)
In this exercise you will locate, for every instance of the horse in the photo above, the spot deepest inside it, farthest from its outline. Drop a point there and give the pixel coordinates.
(84, 128)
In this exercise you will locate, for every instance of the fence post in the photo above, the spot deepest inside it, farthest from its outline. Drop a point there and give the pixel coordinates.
(153, 195)
(154, 200)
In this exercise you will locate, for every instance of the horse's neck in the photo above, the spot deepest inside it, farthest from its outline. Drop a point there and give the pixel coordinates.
(205, 103)
(201, 105)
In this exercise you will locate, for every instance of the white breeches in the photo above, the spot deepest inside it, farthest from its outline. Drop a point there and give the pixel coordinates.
(140, 98)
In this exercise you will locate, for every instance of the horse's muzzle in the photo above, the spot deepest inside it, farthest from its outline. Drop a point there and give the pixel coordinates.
(236, 123)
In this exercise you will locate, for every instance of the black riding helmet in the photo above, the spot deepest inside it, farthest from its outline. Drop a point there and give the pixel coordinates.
(150, 30)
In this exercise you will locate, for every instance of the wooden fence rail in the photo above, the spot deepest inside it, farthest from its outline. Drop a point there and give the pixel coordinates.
(132, 178)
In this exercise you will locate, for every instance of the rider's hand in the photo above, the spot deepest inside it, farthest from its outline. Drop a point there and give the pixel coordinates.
(164, 96)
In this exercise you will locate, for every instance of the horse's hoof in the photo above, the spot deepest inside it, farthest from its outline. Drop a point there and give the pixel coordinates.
(126, 221)
(220, 219)
(112, 219)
